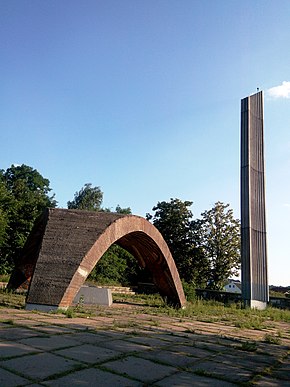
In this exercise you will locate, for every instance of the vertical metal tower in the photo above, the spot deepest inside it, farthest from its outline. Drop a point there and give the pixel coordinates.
(255, 291)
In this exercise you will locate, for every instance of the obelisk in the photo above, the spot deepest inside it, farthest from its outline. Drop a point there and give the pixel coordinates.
(255, 290)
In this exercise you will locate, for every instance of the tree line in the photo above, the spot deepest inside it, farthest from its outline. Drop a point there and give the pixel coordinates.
(206, 250)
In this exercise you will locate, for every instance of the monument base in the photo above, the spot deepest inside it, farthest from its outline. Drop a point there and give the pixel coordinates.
(42, 308)
(87, 295)
(256, 304)
(91, 295)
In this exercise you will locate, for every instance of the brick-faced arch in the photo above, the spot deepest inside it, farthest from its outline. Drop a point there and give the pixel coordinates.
(65, 245)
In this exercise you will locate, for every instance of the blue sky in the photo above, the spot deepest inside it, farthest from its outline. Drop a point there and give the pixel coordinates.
(142, 98)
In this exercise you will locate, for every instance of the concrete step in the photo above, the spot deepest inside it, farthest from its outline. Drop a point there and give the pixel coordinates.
(119, 289)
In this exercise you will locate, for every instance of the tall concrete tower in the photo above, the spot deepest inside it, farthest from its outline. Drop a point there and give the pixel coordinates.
(255, 290)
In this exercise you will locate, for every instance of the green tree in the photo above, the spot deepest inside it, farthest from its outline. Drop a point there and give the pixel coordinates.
(5, 204)
(24, 194)
(117, 266)
(118, 210)
(217, 233)
(111, 267)
(88, 198)
(125, 211)
(174, 220)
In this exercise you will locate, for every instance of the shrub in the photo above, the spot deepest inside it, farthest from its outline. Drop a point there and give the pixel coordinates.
(189, 291)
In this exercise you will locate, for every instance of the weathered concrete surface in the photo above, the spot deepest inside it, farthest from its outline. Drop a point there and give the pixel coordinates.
(65, 246)
(91, 295)
(255, 290)
(122, 346)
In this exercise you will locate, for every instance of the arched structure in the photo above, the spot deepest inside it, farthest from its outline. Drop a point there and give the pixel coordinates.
(65, 245)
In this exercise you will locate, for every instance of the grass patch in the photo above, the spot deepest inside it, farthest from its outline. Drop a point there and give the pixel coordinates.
(272, 339)
(11, 299)
(76, 367)
(69, 313)
(251, 322)
(4, 277)
(76, 311)
(151, 300)
(125, 324)
(202, 372)
(210, 311)
(8, 322)
(249, 346)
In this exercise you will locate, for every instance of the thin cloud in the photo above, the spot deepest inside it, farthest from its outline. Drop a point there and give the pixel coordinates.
(281, 91)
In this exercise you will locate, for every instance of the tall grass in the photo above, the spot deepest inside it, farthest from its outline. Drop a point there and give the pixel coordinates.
(212, 311)
(4, 277)
(11, 299)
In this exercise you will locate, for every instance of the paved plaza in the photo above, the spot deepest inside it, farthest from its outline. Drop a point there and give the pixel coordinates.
(122, 346)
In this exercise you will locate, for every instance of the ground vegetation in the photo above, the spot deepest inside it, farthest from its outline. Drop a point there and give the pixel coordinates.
(201, 310)
(217, 235)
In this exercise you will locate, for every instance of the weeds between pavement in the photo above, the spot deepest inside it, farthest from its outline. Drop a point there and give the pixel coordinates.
(206, 311)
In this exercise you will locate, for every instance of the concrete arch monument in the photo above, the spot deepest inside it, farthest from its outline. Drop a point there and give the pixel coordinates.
(65, 245)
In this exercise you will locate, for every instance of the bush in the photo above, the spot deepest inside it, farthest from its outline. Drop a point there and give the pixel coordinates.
(118, 267)
(189, 291)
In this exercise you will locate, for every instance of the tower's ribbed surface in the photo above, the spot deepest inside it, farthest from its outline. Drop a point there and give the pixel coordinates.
(253, 218)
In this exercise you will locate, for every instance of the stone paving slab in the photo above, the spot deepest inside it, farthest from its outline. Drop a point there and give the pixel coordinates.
(271, 382)
(50, 342)
(233, 373)
(28, 322)
(39, 366)
(109, 334)
(149, 341)
(16, 333)
(174, 338)
(186, 379)
(194, 351)
(272, 349)
(282, 371)
(93, 377)
(247, 360)
(170, 358)
(13, 349)
(8, 379)
(92, 338)
(212, 346)
(51, 329)
(88, 353)
(141, 369)
(124, 346)
(71, 323)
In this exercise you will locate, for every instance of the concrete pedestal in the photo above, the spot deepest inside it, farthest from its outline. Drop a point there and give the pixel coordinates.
(90, 295)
